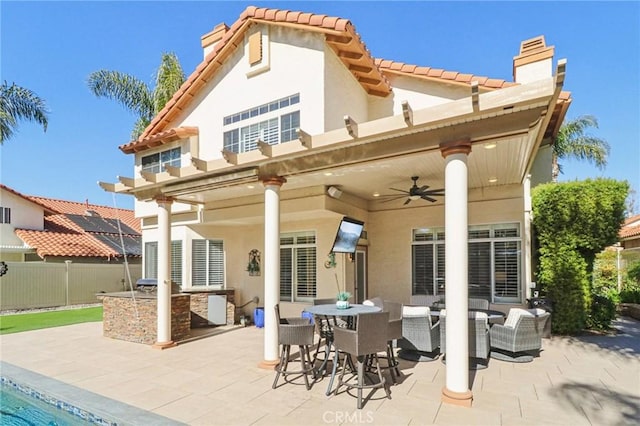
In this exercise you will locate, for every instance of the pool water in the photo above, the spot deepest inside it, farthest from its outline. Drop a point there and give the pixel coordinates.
(20, 409)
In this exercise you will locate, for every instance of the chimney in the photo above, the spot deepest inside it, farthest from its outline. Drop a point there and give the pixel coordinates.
(210, 39)
(534, 62)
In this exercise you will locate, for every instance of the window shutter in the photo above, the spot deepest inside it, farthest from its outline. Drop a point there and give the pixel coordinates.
(286, 273)
(199, 262)
(507, 268)
(306, 271)
(480, 269)
(151, 260)
(255, 48)
(176, 262)
(216, 263)
(422, 269)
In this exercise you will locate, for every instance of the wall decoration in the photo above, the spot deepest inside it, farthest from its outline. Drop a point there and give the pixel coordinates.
(253, 267)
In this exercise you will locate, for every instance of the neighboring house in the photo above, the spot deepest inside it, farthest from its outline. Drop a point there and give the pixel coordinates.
(630, 233)
(44, 229)
(289, 124)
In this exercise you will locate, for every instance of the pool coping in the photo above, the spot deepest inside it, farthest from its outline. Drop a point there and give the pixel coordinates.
(85, 403)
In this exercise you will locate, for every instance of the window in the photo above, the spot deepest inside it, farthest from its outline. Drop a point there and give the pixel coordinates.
(273, 130)
(5, 215)
(298, 266)
(151, 260)
(207, 263)
(494, 262)
(155, 163)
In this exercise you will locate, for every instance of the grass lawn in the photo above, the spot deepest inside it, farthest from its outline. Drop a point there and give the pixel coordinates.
(34, 321)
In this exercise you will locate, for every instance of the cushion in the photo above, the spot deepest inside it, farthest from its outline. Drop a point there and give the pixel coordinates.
(536, 311)
(415, 311)
(514, 316)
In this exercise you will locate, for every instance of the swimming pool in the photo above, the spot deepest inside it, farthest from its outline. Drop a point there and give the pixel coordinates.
(17, 408)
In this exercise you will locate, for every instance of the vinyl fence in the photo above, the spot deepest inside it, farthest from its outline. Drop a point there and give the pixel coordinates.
(29, 285)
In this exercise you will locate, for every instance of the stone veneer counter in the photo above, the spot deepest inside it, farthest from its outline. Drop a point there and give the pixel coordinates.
(200, 305)
(134, 319)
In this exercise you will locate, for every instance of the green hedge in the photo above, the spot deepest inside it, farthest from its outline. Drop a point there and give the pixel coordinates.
(574, 221)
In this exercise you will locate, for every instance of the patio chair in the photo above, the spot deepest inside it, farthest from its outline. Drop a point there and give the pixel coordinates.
(420, 337)
(299, 332)
(477, 303)
(374, 301)
(479, 340)
(368, 338)
(425, 300)
(394, 333)
(520, 338)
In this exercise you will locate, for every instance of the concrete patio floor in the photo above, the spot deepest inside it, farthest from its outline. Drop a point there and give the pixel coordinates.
(587, 380)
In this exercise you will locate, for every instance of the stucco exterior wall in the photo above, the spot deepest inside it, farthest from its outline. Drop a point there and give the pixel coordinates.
(343, 94)
(24, 215)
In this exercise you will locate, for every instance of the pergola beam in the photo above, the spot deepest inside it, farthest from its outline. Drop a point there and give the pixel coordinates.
(407, 112)
(351, 125)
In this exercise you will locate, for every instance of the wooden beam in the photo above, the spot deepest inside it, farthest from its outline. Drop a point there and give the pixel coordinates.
(350, 55)
(112, 187)
(338, 39)
(127, 181)
(173, 171)
(561, 69)
(149, 177)
(230, 156)
(475, 96)
(407, 112)
(351, 125)
(367, 80)
(360, 68)
(200, 164)
(265, 148)
(305, 138)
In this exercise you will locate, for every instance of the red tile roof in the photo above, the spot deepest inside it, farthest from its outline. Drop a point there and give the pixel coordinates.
(72, 207)
(631, 228)
(64, 237)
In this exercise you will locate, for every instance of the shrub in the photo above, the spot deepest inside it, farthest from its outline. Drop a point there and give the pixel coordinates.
(603, 311)
(631, 295)
(633, 272)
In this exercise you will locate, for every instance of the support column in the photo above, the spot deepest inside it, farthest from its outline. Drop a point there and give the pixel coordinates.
(271, 268)
(456, 390)
(526, 244)
(163, 339)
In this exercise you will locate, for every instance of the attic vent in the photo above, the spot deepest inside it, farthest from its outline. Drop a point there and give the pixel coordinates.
(92, 213)
(532, 45)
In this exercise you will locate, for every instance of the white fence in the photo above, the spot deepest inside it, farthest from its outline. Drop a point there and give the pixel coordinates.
(29, 285)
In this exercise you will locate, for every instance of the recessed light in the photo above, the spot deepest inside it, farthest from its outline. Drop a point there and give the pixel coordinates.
(250, 186)
(328, 173)
(493, 179)
(490, 145)
(376, 194)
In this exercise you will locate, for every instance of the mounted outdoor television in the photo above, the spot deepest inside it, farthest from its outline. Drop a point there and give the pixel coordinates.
(347, 236)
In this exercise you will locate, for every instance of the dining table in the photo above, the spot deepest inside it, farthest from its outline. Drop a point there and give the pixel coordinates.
(329, 314)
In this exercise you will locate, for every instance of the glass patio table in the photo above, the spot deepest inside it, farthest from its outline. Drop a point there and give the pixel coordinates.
(331, 311)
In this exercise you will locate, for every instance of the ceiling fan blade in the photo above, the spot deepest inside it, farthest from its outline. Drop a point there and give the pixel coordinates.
(400, 190)
(407, 202)
(426, 197)
(436, 191)
(423, 188)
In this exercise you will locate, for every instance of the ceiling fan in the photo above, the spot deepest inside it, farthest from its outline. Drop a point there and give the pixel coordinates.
(416, 193)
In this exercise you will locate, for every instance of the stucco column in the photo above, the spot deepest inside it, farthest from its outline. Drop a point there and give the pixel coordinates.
(526, 245)
(271, 268)
(163, 339)
(456, 390)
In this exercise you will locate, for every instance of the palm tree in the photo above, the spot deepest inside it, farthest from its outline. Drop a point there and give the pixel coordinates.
(136, 95)
(18, 103)
(572, 142)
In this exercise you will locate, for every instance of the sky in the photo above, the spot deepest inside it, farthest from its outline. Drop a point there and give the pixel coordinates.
(51, 47)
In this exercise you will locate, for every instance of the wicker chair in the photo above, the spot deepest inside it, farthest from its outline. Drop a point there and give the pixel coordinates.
(425, 300)
(394, 333)
(420, 337)
(520, 338)
(476, 303)
(368, 338)
(479, 342)
(294, 331)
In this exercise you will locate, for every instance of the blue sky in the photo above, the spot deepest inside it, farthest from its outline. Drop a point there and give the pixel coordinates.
(51, 48)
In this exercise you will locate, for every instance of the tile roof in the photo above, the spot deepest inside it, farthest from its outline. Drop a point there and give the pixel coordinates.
(340, 35)
(78, 208)
(631, 228)
(68, 231)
